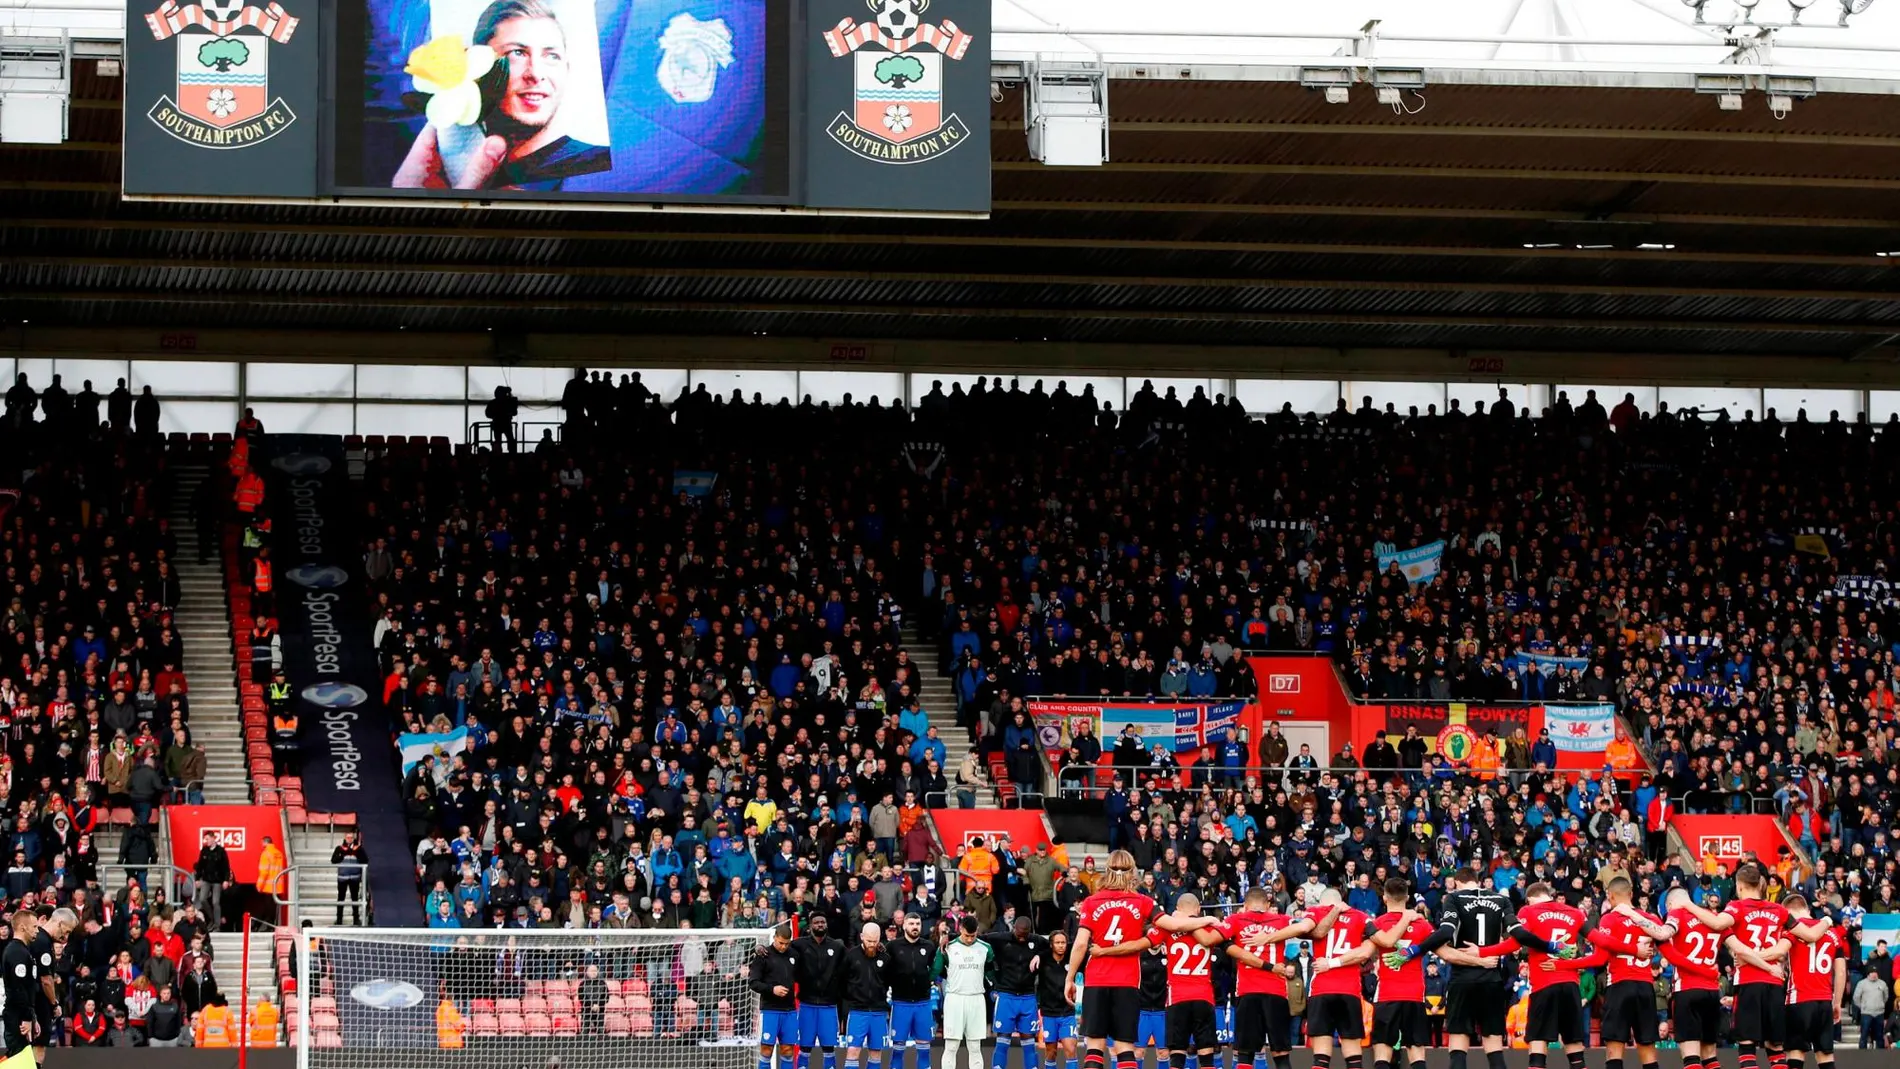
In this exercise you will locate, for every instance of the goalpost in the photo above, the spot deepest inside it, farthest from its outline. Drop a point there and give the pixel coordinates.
(526, 998)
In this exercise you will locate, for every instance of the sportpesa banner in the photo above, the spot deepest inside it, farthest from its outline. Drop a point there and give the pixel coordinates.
(858, 104)
(349, 765)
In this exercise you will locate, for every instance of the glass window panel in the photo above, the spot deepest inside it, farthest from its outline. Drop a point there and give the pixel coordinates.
(1818, 403)
(300, 380)
(921, 382)
(1468, 394)
(293, 417)
(196, 417)
(1400, 395)
(1705, 400)
(38, 371)
(187, 378)
(1611, 396)
(771, 386)
(667, 382)
(1883, 405)
(531, 384)
(411, 381)
(831, 386)
(105, 374)
(6, 371)
(449, 421)
(1305, 395)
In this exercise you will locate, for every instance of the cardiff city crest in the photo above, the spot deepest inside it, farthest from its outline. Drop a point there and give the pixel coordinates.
(897, 108)
(223, 92)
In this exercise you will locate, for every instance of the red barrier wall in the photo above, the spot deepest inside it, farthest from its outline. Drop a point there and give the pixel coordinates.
(1728, 837)
(1023, 826)
(241, 828)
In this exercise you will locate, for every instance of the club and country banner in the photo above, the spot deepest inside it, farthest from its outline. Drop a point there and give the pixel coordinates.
(1878, 928)
(323, 616)
(1430, 719)
(1181, 726)
(1420, 563)
(1546, 663)
(1584, 729)
(442, 745)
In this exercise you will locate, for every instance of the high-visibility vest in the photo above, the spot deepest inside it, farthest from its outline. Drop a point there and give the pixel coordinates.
(260, 576)
(250, 492)
(214, 1027)
(1484, 759)
(283, 728)
(264, 1024)
(449, 1025)
(279, 694)
(240, 458)
(270, 880)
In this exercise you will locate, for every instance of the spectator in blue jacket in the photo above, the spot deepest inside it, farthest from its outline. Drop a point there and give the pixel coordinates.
(1544, 751)
(928, 746)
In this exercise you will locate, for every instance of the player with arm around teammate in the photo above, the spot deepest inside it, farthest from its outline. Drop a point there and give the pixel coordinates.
(1188, 959)
(1053, 1006)
(1759, 928)
(774, 978)
(1817, 975)
(1111, 921)
(1256, 943)
(1624, 933)
(1334, 1004)
(913, 974)
(867, 996)
(1473, 914)
(1398, 1010)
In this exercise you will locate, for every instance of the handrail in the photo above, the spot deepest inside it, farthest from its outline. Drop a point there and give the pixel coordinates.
(178, 891)
(1193, 777)
(296, 904)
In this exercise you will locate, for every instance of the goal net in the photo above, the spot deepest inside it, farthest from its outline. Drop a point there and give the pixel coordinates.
(525, 999)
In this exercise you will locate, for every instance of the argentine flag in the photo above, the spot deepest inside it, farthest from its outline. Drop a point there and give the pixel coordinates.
(1420, 563)
(694, 483)
(446, 744)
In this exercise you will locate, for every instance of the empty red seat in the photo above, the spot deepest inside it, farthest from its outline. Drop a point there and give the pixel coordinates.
(539, 1024)
(508, 1005)
(559, 1004)
(534, 1004)
(511, 1024)
(329, 1039)
(619, 1025)
(485, 1024)
(482, 1005)
(566, 1024)
(323, 1004)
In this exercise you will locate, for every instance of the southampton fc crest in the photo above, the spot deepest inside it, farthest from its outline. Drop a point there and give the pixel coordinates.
(223, 94)
(897, 109)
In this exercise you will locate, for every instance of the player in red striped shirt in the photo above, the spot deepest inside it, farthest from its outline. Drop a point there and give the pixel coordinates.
(1398, 1013)
(1817, 974)
(1190, 962)
(1629, 1002)
(1761, 926)
(1113, 923)
(1341, 944)
(1689, 937)
(1256, 938)
(1556, 1007)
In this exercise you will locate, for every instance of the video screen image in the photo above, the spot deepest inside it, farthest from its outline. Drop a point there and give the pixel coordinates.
(553, 97)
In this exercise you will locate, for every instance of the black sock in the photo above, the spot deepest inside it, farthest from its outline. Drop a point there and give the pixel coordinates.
(1322, 1061)
(1283, 1060)
(1177, 1060)
(1127, 1060)
(1381, 1063)
(1612, 1063)
(1494, 1059)
(1418, 1064)
(1795, 1060)
(1093, 1059)
(1245, 1059)
(1537, 1057)
(1458, 1059)
(1355, 1061)
(1576, 1058)
(1745, 1056)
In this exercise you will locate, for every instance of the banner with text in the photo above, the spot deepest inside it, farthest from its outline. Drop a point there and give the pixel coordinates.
(1183, 727)
(349, 761)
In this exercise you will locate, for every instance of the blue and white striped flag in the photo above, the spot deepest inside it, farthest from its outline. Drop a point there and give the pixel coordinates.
(694, 483)
(444, 744)
(1420, 563)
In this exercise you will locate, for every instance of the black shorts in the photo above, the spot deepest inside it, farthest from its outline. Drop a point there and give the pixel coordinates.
(1328, 1015)
(1476, 1009)
(46, 1025)
(1262, 1022)
(1556, 1016)
(1696, 1017)
(1811, 1027)
(1191, 1026)
(10, 1027)
(1629, 1013)
(1400, 1024)
(1758, 1012)
(1111, 1013)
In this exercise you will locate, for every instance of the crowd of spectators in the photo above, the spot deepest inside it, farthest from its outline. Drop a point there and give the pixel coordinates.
(700, 709)
(94, 715)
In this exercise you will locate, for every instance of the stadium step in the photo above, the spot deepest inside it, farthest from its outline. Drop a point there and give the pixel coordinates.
(940, 705)
(227, 954)
(206, 631)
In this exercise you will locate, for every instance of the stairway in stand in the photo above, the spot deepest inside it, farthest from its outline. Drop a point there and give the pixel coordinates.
(940, 705)
(209, 671)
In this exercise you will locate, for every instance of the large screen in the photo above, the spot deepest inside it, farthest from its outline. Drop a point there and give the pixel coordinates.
(881, 105)
(643, 98)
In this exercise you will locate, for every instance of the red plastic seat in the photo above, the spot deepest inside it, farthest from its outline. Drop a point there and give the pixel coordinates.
(619, 1025)
(566, 1024)
(539, 1024)
(485, 1024)
(482, 1005)
(508, 1005)
(535, 1004)
(329, 1040)
(511, 1024)
(322, 1004)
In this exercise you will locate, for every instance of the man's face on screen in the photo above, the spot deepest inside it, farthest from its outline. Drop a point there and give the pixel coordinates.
(536, 54)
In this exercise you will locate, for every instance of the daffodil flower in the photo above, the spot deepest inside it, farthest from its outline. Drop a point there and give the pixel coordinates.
(448, 71)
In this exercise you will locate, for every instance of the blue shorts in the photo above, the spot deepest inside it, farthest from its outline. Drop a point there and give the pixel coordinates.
(1015, 1015)
(865, 1030)
(1152, 1031)
(1224, 1023)
(817, 1026)
(1057, 1029)
(912, 1022)
(778, 1028)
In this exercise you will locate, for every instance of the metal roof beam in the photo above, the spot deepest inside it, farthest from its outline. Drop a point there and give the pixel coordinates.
(1512, 174)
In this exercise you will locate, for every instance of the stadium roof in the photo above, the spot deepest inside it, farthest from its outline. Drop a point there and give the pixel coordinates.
(1540, 197)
